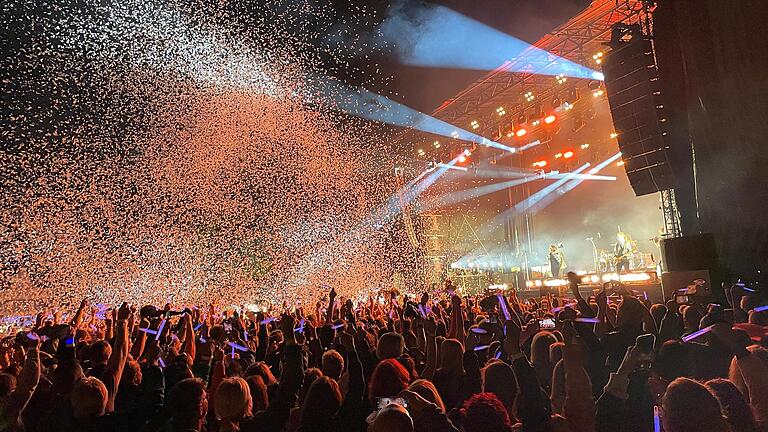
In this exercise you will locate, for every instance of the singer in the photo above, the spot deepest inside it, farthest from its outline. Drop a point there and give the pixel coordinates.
(556, 259)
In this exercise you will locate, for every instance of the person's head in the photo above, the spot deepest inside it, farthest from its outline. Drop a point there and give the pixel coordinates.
(689, 407)
(310, 375)
(7, 385)
(556, 352)
(552, 248)
(261, 369)
(391, 345)
(499, 379)
(175, 373)
(259, 394)
(389, 378)
(629, 316)
(64, 377)
(188, 402)
(657, 312)
(321, 404)
(333, 364)
(131, 373)
(540, 347)
(100, 352)
(484, 412)
(392, 418)
(89, 398)
(692, 316)
(621, 238)
(557, 392)
(428, 391)
(232, 401)
(733, 404)
(452, 356)
(674, 360)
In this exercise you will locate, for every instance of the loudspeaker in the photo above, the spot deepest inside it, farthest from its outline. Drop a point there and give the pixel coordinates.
(631, 82)
(673, 281)
(694, 252)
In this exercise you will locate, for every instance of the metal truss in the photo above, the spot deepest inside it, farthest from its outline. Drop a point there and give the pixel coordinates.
(671, 214)
(576, 40)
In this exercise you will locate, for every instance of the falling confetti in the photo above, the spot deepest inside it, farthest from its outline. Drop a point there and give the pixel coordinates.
(160, 152)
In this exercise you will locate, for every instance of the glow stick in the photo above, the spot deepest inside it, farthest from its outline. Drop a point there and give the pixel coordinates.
(162, 363)
(479, 330)
(337, 326)
(233, 352)
(481, 347)
(656, 419)
(147, 330)
(268, 320)
(197, 327)
(421, 309)
(237, 346)
(300, 328)
(202, 340)
(498, 355)
(245, 335)
(645, 295)
(503, 307)
(760, 308)
(696, 334)
(588, 320)
(160, 330)
(748, 289)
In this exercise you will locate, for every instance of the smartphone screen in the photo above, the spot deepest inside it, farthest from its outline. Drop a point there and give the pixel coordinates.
(547, 323)
(683, 299)
(384, 401)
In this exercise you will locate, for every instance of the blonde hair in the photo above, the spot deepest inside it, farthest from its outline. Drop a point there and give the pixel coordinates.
(452, 355)
(232, 401)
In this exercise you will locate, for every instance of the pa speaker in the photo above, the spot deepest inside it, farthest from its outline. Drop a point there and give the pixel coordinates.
(677, 280)
(694, 252)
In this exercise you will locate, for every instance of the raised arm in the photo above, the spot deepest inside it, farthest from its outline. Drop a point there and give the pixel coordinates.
(117, 359)
(26, 384)
(579, 404)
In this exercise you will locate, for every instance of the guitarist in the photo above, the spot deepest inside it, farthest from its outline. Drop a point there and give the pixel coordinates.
(622, 252)
(556, 259)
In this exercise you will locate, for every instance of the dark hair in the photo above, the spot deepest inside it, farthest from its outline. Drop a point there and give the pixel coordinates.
(484, 412)
(321, 404)
(184, 399)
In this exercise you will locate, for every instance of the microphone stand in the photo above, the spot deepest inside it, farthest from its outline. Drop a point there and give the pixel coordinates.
(595, 257)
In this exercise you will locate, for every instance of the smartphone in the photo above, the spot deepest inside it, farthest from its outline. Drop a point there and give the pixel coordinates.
(682, 299)
(645, 343)
(384, 401)
(546, 323)
(69, 342)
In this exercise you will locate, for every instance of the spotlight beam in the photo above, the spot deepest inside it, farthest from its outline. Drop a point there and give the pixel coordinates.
(420, 39)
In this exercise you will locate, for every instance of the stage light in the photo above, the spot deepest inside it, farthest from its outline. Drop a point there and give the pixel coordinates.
(584, 146)
(536, 122)
(421, 152)
(455, 134)
(474, 124)
(620, 163)
(467, 152)
(520, 132)
(598, 57)
(550, 119)
(537, 283)
(437, 144)
(614, 135)
(540, 164)
(597, 93)
(529, 284)
(567, 106)
(558, 156)
(568, 155)
(462, 159)
(561, 79)
(510, 134)
(594, 278)
(500, 111)
(529, 96)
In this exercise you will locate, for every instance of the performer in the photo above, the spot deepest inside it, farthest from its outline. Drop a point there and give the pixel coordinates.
(556, 259)
(621, 252)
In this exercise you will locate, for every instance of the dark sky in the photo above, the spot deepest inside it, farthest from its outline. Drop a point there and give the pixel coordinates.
(426, 88)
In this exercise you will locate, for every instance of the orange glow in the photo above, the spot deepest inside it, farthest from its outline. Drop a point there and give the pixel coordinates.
(521, 132)
(540, 164)
(462, 159)
(568, 154)
(550, 119)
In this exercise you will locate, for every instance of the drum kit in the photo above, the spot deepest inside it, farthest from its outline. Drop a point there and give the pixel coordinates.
(637, 260)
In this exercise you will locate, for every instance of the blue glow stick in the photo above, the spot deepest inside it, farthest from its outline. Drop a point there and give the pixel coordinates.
(233, 352)
(337, 326)
(498, 355)
(160, 329)
(237, 346)
(268, 320)
(760, 308)
(300, 328)
(162, 363)
(588, 320)
(504, 310)
(421, 309)
(479, 330)
(482, 347)
(748, 289)
(245, 335)
(696, 334)
(656, 419)
(202, 340)
(147, 330)
(197, 327)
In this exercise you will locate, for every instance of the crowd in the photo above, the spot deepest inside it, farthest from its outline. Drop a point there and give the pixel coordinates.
(609, 362)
